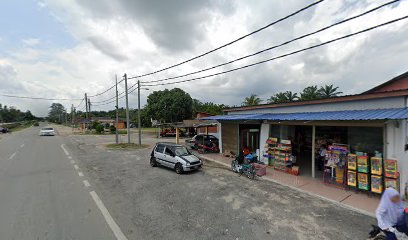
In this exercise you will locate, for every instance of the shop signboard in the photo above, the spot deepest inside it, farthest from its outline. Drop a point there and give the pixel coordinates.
(391, 182)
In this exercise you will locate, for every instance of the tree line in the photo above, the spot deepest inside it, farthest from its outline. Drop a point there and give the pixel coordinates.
(308, 93)
(12, 114)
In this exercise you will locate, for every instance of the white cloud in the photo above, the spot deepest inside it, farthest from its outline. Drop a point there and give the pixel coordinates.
(31, 42)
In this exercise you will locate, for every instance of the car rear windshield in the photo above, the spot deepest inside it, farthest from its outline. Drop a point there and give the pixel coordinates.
(181, 151)
(48, 129)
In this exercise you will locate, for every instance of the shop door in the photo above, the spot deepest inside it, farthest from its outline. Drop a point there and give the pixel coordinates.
(250, 137)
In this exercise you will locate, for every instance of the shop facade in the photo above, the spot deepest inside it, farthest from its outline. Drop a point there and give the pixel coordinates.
(363, 136)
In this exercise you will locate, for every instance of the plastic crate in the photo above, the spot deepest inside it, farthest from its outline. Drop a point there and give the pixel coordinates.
(260, 169)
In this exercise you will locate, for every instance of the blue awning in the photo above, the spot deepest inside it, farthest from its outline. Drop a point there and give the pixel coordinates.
(347, 115)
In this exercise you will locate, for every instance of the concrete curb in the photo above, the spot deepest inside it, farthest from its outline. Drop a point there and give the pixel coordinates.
(301, 190)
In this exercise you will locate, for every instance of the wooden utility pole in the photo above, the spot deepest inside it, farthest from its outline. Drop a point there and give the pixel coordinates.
(86, 107)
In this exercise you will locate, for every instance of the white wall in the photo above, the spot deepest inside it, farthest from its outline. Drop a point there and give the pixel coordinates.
(395, 102)
(262, 139)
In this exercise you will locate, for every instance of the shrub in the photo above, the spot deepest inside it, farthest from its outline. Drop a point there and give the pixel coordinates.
(112, 129)
(99, 129)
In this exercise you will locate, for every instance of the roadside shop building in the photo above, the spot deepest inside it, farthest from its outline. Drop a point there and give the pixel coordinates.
(372, 124)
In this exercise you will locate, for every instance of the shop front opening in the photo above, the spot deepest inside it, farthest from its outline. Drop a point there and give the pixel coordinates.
(249, 137)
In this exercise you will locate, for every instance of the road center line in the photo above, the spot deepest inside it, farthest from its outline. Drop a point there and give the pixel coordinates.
(12, 155)
(86, 183)
(80, 174)
(64, 149)
(108, 218)
(69, 157)
(76, 167)
(22, 145)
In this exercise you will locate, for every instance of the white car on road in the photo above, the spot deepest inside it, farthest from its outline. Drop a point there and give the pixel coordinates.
(47, 131)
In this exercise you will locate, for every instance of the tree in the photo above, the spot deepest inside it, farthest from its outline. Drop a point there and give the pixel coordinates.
(283, 97)
(329, 91)
(252, 100)
(172, 105)
(310, 93)
(56, 112)
(207, 107)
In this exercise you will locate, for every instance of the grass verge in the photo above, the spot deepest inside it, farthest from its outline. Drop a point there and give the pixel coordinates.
(126, 146)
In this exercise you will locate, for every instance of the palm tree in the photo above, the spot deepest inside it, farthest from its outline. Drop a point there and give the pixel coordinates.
(310, 93)
(283, 97)
(252, 100)
(329, 91)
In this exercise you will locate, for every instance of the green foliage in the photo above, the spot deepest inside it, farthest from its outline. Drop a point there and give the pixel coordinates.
(208, 107)
(112, 129)
(283, 97)
(329, 91)
(57, 113)
(12, 114)
(252, 100)
(310, 93)
(95, 124)
(99, 128)
(172, 105)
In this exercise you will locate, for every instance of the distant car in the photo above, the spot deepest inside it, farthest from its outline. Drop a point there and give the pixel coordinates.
(203, 139)
(47, 131)
(4, 130)
(174, 156)
(170, 133)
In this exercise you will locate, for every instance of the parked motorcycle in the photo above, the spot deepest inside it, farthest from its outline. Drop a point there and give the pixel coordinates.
(377, 233)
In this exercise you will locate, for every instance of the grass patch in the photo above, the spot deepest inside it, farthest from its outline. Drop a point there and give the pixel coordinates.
(127, 146)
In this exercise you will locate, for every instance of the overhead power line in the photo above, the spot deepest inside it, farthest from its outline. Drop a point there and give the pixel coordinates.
(80, 103)
(279, 45)
(218, 48)
(41, 98)
(284, 55)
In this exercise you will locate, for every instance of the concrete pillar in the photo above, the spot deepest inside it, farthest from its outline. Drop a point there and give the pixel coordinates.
(219, 127)
(177, 136)
(264, 135)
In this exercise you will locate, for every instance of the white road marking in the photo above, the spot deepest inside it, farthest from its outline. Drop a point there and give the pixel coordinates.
(12, 155)
(69, 157)
(108, 218)
(76, 167)
(64, 149)
(86, 183)
(22, 145)
(80, 174)
(72, 161)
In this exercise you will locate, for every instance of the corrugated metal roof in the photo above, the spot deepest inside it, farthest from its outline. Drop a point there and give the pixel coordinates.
(347, 115)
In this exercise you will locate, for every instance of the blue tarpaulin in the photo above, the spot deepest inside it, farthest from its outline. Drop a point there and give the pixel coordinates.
(347, 115)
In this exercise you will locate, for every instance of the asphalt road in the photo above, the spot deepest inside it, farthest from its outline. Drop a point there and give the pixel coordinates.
(41, 194)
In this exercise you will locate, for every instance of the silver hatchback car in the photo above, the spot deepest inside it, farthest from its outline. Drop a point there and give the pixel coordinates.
(174, 156)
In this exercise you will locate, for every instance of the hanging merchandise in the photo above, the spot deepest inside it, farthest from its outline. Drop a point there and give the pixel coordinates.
(352, 161)
(271, 151)
(362, 164)
(391, 182)
(351, 179)
(376, 184)
(335, 164)
(362, 179)
(391, 170)
(376, 165)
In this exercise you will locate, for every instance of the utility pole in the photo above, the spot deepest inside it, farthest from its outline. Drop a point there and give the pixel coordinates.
(117, 111)
(72, 114)
(86, 107)
(89, 108)
(138, 113)
(127, 109)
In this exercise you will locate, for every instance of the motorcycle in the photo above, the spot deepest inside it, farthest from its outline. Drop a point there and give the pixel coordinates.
(377, 233)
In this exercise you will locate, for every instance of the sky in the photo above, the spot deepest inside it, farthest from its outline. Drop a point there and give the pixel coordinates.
(66, 48)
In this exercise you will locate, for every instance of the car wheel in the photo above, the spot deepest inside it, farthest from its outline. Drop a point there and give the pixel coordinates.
(179, 168)
(153, 162)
